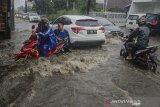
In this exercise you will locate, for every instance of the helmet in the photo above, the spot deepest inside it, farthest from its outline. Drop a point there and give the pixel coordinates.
(44, 23)
(141, 21)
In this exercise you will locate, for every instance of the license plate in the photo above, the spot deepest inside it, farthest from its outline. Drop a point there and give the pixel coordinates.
(131, 23)
(91, 31)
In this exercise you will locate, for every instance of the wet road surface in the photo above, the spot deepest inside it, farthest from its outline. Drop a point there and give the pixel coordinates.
(84, 78)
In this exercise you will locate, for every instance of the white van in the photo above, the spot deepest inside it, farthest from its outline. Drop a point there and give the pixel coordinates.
(132, 21)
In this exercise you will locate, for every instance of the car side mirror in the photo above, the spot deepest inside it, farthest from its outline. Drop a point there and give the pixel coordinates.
(33, 27)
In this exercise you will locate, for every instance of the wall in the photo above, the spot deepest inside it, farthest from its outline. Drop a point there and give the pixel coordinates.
(142, 0)
(117, 18)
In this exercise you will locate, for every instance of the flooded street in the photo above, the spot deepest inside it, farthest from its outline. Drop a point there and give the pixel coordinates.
(83, 78)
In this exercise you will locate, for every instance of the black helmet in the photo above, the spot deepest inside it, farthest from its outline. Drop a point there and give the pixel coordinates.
(44, 23)
(141, 21)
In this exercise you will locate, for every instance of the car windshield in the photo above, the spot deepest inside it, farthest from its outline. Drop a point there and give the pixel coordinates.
(33, 14)
(151, 17)
(87, 22)
(104, 22)
(133, 17)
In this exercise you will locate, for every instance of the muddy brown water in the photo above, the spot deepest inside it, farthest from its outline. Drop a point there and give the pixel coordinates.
(84, 78)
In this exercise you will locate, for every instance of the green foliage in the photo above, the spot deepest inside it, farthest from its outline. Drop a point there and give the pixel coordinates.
(55, 8)
(55, 15)
(43, 6)
(82, 5)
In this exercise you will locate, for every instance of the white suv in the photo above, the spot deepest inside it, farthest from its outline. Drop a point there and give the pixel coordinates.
(83, 30)
(34, 17)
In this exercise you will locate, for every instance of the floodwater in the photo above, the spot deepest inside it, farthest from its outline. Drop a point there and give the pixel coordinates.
(83, 78)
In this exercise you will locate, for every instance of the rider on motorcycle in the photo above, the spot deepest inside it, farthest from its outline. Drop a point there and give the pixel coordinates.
(138, 39)
(62, 35)
(33, 37)
(46, 38)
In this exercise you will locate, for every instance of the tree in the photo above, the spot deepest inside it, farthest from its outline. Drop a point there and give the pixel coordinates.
(43, 6)
(82, 5)
(52, 6)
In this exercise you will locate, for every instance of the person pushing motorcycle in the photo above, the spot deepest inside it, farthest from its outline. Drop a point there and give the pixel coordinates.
(46, 38)
(138, 39)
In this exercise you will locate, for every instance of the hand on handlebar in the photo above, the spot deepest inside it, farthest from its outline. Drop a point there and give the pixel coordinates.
(59, 39)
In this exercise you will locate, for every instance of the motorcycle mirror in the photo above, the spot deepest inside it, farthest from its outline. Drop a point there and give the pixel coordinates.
(33, 27)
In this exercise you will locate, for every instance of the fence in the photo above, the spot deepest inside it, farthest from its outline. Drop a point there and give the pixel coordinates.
(117, 18)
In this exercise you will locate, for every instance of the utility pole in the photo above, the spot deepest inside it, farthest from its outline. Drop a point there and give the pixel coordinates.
(26, 6)
(67, 4)
(74, 5)
(12, 15)
(88, 6)
(104, 6)
(106, 3)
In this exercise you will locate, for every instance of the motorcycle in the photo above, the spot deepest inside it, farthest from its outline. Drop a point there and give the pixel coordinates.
(29, 49)
(143, 57)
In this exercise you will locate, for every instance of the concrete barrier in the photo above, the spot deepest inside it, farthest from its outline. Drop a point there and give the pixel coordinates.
(118, 19)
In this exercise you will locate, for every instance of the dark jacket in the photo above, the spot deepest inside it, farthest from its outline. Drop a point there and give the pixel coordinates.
(142, 33)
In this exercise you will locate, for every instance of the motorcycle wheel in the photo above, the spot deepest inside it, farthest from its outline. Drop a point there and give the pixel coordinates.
(152, 66)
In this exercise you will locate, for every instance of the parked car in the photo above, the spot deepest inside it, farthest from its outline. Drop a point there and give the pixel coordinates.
(153, 20)
(24, 16)
(132, 21)
(19, 15)
(83, 30)
(33, 17)
(110, 28)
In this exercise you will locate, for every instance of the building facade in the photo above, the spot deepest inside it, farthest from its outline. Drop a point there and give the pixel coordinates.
(6, 18)
(113, 4)
(144, 6)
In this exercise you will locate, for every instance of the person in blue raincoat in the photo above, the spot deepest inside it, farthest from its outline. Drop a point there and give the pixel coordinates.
(46, 38)
(62, 35)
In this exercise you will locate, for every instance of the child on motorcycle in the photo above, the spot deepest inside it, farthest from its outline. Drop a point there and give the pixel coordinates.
(46, 38)
(138, 39)
(62, 35)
